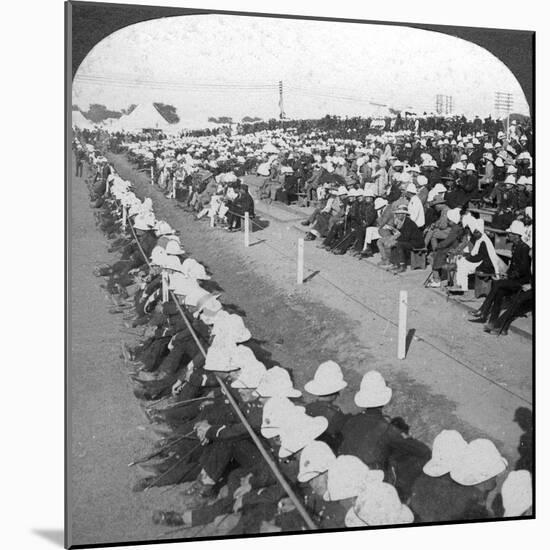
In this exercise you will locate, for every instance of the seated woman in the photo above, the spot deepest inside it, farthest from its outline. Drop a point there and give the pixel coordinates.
(482, 258)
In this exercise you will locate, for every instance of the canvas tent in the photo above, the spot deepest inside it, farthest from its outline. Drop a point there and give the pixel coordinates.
(144, 116)
(80, 121)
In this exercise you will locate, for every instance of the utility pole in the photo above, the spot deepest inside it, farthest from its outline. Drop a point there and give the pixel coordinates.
(439, 104)
(443, 104)
(281, 106)
(504, 103)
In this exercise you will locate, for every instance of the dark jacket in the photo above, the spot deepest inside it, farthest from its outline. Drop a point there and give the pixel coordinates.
(520, 264)
(370, 437)
(411, 233)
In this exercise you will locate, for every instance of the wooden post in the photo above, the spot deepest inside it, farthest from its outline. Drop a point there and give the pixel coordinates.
(300, 270)
(402, 329)
(165, 297)
(246, 229)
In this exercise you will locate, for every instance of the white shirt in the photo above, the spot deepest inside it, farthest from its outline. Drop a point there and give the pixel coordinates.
(416, 211)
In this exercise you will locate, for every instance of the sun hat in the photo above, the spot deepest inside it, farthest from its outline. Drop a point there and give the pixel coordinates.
(144, 221)
(378, 504)
(297, 434)
(373, 391)
(158, 256)
(328, 379)
(401, 209)
(277, 383)
(276, 413)
(220, 356)
(251, 373)
(480, 462)
(163, 228)
(173, 248)
(471, 166)
(448, 447)
(179, 284)
(477, 224)
(231, 326)
(517, 228)
(380, 203)
(510, 180)
(421, 181)
(347, 475)
(517, 493)
(511, 169)
(522, 180)
(315, 459)
(194, 270)
(207, 301)
(411, 188)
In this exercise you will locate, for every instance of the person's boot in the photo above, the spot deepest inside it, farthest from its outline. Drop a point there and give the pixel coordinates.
(401, 268)
(305, 222)
(168, 518)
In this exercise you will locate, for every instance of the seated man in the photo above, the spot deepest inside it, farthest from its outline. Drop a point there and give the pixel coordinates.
(405, 235)
(518, 275)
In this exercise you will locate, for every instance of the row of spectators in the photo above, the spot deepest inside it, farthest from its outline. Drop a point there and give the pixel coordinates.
(393, 194)
(349, 470)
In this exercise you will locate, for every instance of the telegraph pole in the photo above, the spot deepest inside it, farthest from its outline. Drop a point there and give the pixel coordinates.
(281, 105)
(504, 103)
(443, 104)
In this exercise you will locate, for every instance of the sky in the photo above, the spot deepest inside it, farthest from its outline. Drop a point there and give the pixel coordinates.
(222, 65)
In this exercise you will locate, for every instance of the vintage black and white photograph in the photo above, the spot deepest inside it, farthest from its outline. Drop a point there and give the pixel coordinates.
(300, 281)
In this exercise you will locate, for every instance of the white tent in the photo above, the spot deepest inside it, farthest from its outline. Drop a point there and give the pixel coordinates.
(144, 116)
(80, 121)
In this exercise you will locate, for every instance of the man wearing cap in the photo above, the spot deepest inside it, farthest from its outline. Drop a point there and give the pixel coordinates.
(406, 235)
(326, 385)
(518, 274)
(369, 435)
(415, 206)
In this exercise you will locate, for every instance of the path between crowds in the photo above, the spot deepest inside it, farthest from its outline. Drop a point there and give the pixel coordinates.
(454, 376)
(106, 426)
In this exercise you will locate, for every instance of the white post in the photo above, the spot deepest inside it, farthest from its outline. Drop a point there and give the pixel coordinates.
(123, 217)
(152, 175)
(164, 286)
(300, 270)
(402, 330)
(212, 220)
(246, 229)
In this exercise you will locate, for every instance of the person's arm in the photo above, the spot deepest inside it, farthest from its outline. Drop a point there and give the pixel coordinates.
(480, 256)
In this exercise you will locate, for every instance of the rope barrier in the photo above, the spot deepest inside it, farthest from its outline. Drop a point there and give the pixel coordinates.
(390, 321)
(270, 462)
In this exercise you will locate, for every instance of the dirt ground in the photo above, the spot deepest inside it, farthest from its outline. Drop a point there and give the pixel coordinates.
(454, 376)
(107, 429)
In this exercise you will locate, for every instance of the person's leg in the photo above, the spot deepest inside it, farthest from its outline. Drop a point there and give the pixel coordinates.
(505, 288)
(522, 304)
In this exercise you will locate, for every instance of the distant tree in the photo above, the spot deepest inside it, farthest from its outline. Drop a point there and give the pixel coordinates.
(251, 119)
(98, 113)
(129, 109)
(220, 120)
(168, 112)
(76, 107)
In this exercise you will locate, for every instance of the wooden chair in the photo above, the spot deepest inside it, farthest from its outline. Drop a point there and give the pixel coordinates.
(483, 283)
(419, 258)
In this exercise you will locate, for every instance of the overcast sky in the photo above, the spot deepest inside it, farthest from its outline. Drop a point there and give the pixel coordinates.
(221, 65)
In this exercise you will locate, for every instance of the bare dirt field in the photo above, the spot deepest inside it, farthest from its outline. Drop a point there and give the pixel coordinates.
(454, 376)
